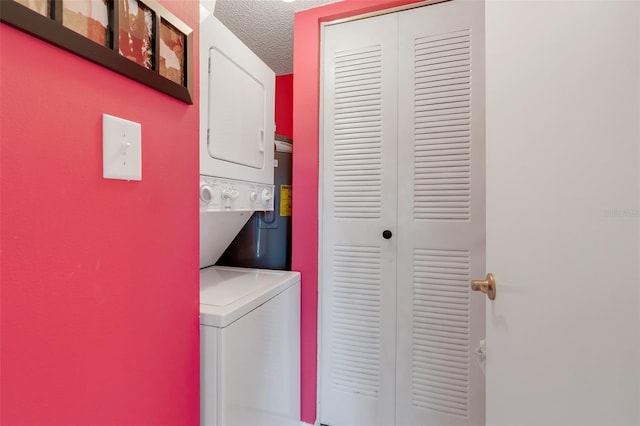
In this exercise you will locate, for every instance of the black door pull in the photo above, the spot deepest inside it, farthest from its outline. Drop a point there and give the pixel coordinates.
(386, 234)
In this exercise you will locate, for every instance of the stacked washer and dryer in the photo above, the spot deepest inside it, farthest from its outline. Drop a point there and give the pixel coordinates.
(249, 318)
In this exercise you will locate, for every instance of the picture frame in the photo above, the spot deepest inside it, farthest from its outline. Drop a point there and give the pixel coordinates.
(164, 61)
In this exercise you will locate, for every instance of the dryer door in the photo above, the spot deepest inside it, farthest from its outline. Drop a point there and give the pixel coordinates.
(237, 121)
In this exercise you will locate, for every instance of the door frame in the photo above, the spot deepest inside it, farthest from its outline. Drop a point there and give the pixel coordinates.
(323, 26)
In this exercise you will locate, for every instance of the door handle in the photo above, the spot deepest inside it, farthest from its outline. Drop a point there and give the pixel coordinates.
(261, 140)
(487, 286)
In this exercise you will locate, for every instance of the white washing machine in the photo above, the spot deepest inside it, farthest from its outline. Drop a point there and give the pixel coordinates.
(249, 319)
(250, 347)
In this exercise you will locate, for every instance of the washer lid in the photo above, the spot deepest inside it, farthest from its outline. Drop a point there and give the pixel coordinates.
(222, 287)
(226, 294)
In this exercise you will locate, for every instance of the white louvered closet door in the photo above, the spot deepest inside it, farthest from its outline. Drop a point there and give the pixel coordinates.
(403, 150)
(358, 305)
(441, 215)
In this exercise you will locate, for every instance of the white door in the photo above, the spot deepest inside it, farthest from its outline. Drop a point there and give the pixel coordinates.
(411, 163)
(441, 224)
(563, 334)
(359, 203)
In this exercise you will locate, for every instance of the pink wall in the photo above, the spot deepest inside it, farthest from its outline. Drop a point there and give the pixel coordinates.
(284, 105)
(306, 68)
(99, 278)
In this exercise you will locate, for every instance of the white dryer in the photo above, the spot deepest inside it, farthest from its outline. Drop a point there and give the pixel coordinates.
(237, 103)
(237, 130)
(250, 347)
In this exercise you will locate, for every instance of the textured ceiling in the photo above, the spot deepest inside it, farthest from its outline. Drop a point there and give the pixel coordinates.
(266, 26)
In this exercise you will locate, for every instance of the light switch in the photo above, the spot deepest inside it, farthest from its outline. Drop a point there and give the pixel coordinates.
(121, 148)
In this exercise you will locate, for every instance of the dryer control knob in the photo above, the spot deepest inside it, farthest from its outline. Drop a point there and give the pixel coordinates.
(266, 196)
(253, 196)
(227, 194)
(206, 193)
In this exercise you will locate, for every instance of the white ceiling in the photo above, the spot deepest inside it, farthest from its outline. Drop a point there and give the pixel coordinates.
(266, 26)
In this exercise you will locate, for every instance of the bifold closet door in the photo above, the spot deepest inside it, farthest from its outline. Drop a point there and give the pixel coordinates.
(441, 214)
(359, 180)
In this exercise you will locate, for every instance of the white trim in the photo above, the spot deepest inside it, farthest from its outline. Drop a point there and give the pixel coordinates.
(381, 12)
(320, 222)
(638, 206)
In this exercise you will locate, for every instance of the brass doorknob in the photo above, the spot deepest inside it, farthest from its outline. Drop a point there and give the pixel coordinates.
(487, 286)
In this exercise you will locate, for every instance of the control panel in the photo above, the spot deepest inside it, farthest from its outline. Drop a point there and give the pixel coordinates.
(218, 194)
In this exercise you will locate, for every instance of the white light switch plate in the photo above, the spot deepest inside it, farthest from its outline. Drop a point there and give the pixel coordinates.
(121, 148)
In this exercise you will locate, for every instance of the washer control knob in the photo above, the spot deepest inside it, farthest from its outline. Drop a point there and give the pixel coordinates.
(253, 196)
(266, 196)
(206, 193)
